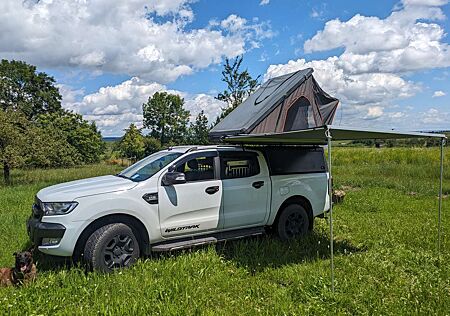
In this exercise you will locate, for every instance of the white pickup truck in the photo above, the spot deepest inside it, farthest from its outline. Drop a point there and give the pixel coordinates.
(181, 197)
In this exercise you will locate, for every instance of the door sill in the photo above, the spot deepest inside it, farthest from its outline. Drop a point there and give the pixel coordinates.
(206, 239)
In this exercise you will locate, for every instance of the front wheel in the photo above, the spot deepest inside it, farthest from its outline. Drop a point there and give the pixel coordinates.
(293, 222)
(111, 247)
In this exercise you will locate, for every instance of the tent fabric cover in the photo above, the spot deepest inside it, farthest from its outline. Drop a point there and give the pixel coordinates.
(317, 136)
(286, 103)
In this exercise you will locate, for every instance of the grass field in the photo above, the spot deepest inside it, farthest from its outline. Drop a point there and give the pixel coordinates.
(385, 242)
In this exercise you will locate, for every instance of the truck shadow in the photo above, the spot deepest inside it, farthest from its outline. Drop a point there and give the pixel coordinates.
(258, 253)
(254, 253)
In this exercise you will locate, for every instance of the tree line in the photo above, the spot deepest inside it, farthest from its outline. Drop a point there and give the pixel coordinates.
(35, 131)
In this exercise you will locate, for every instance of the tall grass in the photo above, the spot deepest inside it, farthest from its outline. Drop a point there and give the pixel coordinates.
(385, 241)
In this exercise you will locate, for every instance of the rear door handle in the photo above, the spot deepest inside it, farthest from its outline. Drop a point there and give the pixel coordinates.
(257, 184)
(212, 190)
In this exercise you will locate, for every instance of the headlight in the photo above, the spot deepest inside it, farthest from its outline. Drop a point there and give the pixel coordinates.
(58, 208)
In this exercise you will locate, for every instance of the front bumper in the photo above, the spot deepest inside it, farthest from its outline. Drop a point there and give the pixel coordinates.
(38, 230)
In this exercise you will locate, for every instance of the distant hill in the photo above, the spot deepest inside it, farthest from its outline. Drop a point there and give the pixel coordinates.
(111, 139)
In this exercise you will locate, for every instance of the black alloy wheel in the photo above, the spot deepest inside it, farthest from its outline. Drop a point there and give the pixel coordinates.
(111, 247)
(293, 222)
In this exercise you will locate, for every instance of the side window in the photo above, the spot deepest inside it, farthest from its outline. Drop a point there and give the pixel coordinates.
(200, 168)
(239, 165)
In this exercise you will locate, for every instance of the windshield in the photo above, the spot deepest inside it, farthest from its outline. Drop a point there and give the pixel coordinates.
(147, 167)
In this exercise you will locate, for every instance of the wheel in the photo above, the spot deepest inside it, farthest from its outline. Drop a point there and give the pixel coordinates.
(293, 222)
(111, 247)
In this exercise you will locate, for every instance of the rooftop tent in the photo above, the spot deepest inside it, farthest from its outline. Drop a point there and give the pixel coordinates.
(287, 103)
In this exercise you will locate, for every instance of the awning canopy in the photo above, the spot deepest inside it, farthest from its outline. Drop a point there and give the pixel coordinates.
(324, 135)
(318, 136)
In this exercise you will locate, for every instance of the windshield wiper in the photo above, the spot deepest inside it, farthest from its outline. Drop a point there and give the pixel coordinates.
(122, 176)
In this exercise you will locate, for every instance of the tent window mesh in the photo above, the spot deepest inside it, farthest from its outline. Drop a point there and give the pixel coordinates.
(297, 115)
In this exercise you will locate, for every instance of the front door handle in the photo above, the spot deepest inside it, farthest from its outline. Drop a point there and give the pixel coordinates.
(257, 184)
(212, 190)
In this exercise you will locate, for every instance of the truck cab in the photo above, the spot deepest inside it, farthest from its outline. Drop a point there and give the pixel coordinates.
(181, 197)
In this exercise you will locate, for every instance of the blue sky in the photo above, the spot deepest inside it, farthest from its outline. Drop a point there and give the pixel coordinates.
(387, 61)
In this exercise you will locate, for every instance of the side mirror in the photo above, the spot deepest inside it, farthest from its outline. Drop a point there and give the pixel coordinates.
(171, 178)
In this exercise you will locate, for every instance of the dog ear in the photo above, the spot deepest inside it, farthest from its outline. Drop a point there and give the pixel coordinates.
(31, 249)
(14, 254)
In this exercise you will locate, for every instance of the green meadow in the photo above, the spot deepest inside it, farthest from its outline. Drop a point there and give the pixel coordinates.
(385, 244)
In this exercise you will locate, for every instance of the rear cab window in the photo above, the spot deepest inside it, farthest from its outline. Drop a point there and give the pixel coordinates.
(234, 165)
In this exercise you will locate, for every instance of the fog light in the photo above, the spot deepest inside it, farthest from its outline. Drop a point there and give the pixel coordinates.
(50, 241)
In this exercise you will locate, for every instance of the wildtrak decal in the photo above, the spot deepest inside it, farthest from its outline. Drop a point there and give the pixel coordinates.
(175, 229)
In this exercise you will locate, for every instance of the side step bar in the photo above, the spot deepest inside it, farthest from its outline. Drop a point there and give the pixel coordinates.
(207, 239)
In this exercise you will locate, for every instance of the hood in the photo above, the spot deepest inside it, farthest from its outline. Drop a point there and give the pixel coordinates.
(69, 191)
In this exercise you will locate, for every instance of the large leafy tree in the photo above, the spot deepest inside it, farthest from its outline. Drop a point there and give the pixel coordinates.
(166, 118)
(79, 133)
(199, 130)
(34, 129)
(25, 144)
(132, 144)
(23, 88)
(240, 85)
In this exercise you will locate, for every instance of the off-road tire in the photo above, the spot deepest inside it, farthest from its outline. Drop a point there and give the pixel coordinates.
(293, 222)
(111, 247)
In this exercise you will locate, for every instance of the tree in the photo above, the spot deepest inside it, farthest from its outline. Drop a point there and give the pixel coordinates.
(132, 143)
(79, 133)
(13, 130)
(24, 89)
(166, 118)
(199, 130)
(239, 85)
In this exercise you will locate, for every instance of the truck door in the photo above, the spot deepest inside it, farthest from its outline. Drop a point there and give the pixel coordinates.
(194, 206)
(246, 189)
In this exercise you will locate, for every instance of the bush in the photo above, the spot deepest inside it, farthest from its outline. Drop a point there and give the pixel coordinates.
(152, 145)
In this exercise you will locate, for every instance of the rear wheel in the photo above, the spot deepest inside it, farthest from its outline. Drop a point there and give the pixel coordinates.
(111, 247)
(293, 222)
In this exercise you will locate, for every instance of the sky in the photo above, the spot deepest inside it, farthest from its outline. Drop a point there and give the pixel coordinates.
(388, 62)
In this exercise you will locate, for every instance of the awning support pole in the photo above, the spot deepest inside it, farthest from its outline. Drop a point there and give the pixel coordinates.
(440, 196)
(330, 198)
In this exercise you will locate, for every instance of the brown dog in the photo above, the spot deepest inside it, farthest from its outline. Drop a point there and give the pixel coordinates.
(23, 272)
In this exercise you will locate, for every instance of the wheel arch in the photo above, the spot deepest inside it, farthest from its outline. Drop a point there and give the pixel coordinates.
(134, 223)
(297, 199)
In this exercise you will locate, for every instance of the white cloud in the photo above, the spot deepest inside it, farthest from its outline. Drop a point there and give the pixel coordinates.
(149, 39)
(234, 23)
(396, 115)
(113, 108)
(360, 89)
(434, 117)
(399, 43)
(253, 32)
(211, 107)
(431, 3)
(164, 7)
(264, 2)
(438, 93)
(377, 55)
(374, 112)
